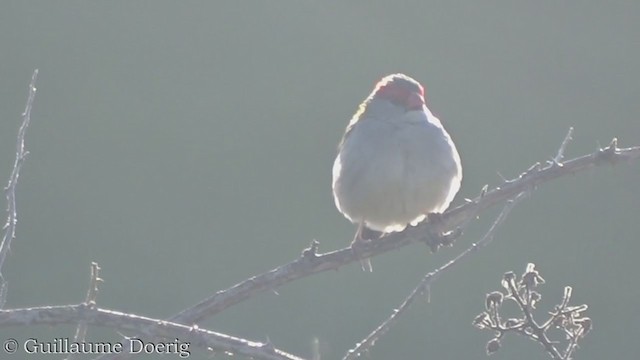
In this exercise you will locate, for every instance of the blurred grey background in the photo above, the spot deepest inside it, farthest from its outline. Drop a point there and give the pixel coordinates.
(186, 146)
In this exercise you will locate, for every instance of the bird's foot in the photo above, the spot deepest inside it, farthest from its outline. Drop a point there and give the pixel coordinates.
(361, 240)
(435, 236)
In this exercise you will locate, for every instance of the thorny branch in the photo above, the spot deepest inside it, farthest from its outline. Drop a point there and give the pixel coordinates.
(425, 284)
(206, 339)
(434, 234)
(310, 262)
(10, 191)
(87, 313)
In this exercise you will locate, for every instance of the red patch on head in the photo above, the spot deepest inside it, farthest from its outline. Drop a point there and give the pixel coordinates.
(409, 95)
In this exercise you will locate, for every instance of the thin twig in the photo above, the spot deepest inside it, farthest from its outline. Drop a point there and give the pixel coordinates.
(90, 300)
(368, 342)
(10, 190)
(538, 331)
(560, 155)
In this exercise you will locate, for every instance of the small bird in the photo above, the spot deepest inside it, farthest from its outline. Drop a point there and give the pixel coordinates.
(396, 163)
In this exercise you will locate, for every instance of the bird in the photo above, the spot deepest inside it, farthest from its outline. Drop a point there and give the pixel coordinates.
(396, 164)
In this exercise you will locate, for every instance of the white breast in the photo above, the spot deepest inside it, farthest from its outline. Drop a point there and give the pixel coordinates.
(392, 173)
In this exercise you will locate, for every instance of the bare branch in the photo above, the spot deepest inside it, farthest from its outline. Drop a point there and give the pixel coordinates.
(450, 224)
(10, 190)
(202, 338)
(367, 343)
(92, 295)
(310, 262)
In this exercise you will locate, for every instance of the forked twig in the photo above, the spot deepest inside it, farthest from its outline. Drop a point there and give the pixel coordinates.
(90, 301)
(569, 318)
(10, 191)
(425, 284)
